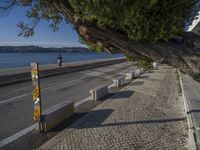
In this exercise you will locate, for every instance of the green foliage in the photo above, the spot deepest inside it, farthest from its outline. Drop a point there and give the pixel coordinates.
(138, 19)
(144, 64)
(129, 57)
(147, 19)
(37, 10)
(92, 46)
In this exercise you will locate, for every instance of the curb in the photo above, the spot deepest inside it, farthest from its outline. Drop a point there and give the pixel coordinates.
(191, 133)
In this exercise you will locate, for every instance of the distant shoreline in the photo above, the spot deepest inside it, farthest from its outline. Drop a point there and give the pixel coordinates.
(37, 49)
(30, 52)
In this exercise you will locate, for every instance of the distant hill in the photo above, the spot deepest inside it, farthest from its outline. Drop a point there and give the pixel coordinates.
(37, 49)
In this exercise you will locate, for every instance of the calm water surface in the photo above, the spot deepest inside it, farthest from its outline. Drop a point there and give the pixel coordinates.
(14, 60)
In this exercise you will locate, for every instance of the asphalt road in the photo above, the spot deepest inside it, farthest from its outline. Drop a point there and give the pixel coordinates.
(16, 105)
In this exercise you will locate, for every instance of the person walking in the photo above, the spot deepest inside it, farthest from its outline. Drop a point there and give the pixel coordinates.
(60, 60)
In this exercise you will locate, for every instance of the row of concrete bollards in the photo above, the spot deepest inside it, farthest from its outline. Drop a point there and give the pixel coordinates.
(63, 111)
(101, 91)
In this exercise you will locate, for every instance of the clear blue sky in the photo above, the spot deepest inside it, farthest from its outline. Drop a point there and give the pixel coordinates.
(43, 36)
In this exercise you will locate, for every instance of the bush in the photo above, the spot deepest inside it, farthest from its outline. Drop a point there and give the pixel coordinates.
(146, 65)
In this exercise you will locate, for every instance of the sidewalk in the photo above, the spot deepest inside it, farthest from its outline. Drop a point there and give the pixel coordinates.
(191, 93)
(146, 114)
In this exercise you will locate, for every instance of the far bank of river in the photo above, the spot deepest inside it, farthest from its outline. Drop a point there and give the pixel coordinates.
(15, 60)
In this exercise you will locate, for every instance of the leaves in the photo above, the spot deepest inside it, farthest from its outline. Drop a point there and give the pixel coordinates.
(37, 10)
(148, 19)
(139, 20)
(96, 47)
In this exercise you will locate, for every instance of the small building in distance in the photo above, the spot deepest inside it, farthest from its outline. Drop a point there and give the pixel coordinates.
(195, 26)
(196, 29)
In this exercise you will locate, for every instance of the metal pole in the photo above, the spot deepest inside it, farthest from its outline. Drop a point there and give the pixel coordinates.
(37, 114)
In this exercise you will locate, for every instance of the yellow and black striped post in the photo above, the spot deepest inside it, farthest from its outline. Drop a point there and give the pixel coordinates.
(37, 112)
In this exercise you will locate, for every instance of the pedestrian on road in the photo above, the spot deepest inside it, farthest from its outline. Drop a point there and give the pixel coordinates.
(60, 60)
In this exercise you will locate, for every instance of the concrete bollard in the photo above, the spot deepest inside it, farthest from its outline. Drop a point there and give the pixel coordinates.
(141, 70)
(57, 114)
(130, 75)
(137, 72)
(119, 81)
(99, 92)
(155, 65)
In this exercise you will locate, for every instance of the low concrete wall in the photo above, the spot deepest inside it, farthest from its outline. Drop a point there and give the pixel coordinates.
(119, 81)
(130, 75)
(155, 65)
(137, 72)
(7, 79)
(99, 92)
(57, 114)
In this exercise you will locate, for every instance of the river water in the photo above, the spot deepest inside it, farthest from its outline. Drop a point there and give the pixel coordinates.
(14, 60)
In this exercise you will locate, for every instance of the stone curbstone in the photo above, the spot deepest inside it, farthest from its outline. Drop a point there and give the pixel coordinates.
(57, 114)
(191, 132)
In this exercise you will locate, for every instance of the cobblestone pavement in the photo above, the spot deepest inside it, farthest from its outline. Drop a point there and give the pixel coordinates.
(146, 114)
(191, 90)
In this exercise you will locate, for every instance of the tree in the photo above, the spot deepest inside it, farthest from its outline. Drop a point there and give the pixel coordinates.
(151, 30)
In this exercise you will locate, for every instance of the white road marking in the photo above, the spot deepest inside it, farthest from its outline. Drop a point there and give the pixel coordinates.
(35, 126)
(82, 101)
(110, 86)
(17, 135)
(13, 98)
(81, 77)
(17, 97)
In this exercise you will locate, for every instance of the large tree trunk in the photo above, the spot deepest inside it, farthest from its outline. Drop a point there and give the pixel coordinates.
(182, 52)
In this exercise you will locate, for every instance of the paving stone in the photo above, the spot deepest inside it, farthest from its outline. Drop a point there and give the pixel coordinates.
(191, 89)
(146, 114)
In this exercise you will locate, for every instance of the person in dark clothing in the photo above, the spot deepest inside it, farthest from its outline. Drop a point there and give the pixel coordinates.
(60, 60)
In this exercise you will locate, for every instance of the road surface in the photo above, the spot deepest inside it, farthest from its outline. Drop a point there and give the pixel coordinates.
(16, 105)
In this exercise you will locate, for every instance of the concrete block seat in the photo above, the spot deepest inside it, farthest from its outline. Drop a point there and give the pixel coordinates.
(99, 92)
(57, 114)
(119, 81)
(155, 65)
(138, 72)
(130, 75)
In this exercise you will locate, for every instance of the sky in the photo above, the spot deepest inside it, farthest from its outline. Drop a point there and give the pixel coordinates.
(64, 37)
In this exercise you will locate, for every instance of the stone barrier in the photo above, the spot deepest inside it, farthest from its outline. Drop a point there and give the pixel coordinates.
(155, 65)
(119, 81)
(99, 92)
(57, 114)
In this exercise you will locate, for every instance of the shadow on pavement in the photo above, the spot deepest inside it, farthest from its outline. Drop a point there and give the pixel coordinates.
(137, 83)
(153, 80)
(93, 119)
(143, 77)
(104, 114)
(193, 111)
(122, 94)
(67, 122)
